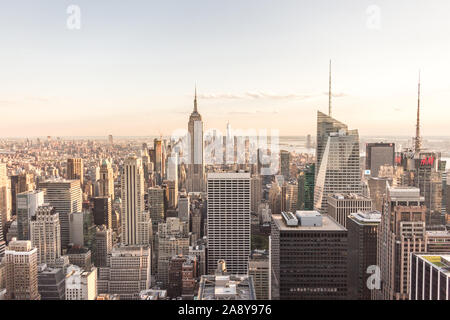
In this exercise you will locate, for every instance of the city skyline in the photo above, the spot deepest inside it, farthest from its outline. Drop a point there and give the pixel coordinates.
(255, 64)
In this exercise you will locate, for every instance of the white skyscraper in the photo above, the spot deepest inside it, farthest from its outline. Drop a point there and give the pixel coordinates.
(228, 222)
(46, 234)
(338, 169)
(136, 222)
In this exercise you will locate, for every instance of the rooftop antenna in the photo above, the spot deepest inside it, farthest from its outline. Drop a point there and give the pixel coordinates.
(418, 139)
(329, 92)
(195, 98)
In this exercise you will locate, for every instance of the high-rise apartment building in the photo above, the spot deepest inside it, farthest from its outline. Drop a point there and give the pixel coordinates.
(362, 251)
(66, 197)
(338, 168)
(379, 154)
(22, 271)
(195, 179)
(228, 220)
(339, 206)
(46, 234)
(75, 169)
(308, 257)
(401, 232)
(136, 222)
(26, 206)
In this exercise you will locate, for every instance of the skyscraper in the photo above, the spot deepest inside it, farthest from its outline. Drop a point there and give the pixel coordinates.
(377, 155)
(22, 271)
(65, 197)
(401, 232)
(156, 206)
(46, 234)
(285, 159)
(102, 211)
(103, 245)
(325, 125)
(308, 257)
(362, 251)
(159, 160)
(106, 182)
(136, 223)
(128, 272)
(26, 206)
(306, 188)
(256, 196)
(430, 277)
(173, 239)
(75, 170)
(228, 220)
(5, 194)
(338, 169)
(2, 239)
(341, 205)
(195, 167)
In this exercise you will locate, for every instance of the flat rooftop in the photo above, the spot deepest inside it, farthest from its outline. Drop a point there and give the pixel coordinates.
(348, 196)
(226, 287)
(228, 175)
(440, 261)
(369, 217)
(328, 224)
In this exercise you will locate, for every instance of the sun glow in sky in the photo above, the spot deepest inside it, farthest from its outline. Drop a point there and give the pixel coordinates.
(132, 66)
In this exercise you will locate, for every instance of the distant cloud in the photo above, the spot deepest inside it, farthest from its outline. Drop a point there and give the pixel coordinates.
(264, 95)
(254, 112)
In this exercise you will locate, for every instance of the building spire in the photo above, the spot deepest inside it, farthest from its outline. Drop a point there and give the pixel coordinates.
(329, 92)
(195, 99)
(418, 139)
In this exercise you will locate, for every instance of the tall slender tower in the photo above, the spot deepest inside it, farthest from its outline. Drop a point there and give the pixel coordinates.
(329, 92)
(136, 222)
(195, 170)
(418, 139)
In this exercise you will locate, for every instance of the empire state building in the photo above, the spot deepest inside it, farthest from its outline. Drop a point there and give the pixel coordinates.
(195, 168)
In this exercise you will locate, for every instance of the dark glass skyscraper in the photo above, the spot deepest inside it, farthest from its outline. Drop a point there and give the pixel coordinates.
(306, 188)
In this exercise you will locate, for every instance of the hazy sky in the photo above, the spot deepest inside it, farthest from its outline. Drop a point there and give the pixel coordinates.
(132, 67)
